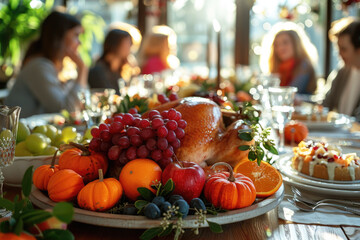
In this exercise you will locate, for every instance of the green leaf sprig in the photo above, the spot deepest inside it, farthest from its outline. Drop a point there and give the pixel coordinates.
(127, 103)
(24, 216)
(262, 142)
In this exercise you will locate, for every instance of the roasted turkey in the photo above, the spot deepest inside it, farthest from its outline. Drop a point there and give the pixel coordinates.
(206, 140)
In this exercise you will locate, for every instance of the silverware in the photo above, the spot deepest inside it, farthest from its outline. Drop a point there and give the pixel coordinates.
(311, 208)
(299, 196)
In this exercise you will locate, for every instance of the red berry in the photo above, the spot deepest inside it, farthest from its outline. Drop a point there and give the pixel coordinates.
(116, 127)
(182, 123)
(172, 114)
(173, 97)
(128, 119)
(131, 153)
(171, 136)
(162, 98)
(175, 144)
(118, 119)
(168, 152)
(156, 123)
(105, 135)
(95, 144)
(153, 112)
(155, 116)
(136, 121)
(164, 114)
(114, 152)
(146, 133)
(103, 127)
(137, 115)
(142, 152)
(115, 138)
(156, 155)
(133, 111)
(95, 132)
(122, 158)
(124, 142)
(136, 140)
(105, 146)
(151, 144)
(180, 133)
(178, 116)
(162, 143)
(172, 125)
(164, 162)
(144, 123)
(162, 132)
(132, 131)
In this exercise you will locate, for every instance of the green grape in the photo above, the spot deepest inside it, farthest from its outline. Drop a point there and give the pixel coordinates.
(69, 133)
(22, 132)
(40, 129)
(59, 139)
(51, 132)
(36, 142)
(50, 150)
(87, 134)
(21, 150)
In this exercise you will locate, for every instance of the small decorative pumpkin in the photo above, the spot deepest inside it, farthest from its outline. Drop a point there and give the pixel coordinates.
(100, 195)
(65, 185)
(295, 132)
(83, 161)
(228, 190)
(43, 174)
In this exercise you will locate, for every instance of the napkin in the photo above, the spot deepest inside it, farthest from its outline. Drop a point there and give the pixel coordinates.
(321, 216)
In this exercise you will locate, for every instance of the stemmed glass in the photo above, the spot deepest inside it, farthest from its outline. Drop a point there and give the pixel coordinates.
(9, 119)
(282, 107)
(97, 104)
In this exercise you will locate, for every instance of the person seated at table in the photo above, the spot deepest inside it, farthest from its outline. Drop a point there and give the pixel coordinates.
(344, 94)
(107, 70)
(154, 53)
(288, 57)
(37, 88)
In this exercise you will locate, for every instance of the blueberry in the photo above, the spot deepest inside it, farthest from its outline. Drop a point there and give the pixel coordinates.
(158, 200)
(164, 206)
(152, 211)
(198, 204)
(130, 210)
(183, 207)
(174, 198)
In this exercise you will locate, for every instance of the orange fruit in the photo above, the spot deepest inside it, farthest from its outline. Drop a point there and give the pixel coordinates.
(139, 173)
(295, 131)
(266, 178)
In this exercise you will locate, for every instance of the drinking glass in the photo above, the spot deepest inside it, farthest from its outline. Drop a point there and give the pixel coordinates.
(96, 104)
(282, 107)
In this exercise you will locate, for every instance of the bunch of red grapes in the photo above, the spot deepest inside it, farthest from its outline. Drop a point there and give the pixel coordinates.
(128, 136)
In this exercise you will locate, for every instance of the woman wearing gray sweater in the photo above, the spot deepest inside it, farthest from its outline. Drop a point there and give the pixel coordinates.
(37, 88)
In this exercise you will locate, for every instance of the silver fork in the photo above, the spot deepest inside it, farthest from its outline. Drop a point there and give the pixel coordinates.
(311, 208)
(299, 196)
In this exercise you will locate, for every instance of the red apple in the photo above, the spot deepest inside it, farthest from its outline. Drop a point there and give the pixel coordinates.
(188, 177)
(50, 223)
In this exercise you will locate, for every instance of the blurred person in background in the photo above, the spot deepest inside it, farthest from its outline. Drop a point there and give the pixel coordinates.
(107, 70)
(154, 53)
(288, 57)
(37, 88)
(344, 94)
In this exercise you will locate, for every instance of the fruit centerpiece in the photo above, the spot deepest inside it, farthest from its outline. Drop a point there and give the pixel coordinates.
(155, 165)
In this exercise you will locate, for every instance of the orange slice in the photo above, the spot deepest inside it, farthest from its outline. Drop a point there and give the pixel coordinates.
(266, 178)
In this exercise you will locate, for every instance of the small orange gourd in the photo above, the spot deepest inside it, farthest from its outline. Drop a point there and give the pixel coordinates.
(100, 195)
(83, 161)
(229, 190)
(13, 236)
(65, 185)
(43, 174)
(295, 131)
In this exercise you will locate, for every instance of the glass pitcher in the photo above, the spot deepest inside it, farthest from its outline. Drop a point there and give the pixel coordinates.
(9, 119)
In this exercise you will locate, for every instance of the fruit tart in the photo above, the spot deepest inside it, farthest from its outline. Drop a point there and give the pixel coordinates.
(321, 160)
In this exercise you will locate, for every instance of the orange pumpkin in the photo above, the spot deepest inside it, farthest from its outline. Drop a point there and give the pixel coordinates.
(83, 161)
(43, 174)
(228, 190)
(13, 236)
(100, 195)
(65, 185)
(295, 131)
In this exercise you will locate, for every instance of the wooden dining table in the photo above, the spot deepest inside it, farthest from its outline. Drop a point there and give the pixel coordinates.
(266, 226)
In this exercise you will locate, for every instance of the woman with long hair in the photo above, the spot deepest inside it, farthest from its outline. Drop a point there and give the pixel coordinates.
(107, 70)
(154, 52)
(288, 57)
(37, 88)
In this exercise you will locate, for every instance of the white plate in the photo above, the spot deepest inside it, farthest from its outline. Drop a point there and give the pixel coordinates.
(330, 192)
(341, 121)
(14, 173)
(284, 166)
(140, 222)
(41, 119)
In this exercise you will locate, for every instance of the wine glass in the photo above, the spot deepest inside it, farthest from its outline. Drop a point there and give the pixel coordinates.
(96, 104)
(9, 119)
(282, 107)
